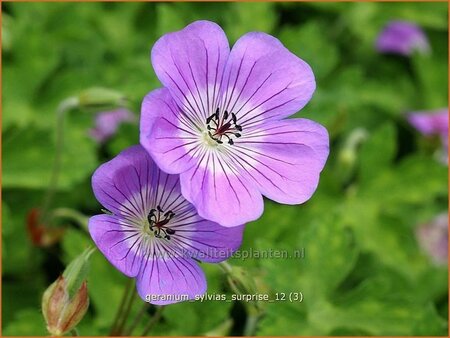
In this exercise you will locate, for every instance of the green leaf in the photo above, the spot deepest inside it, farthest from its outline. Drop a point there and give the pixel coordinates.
(431, 71)
(330, 254)
(380, 318)
(126, 136)
(283, 319)
(29, 154)
(247, 17)
(377, 152)
(20, 257)
(431, 15)
(77, 271)
(416, 179)
(311, 43)
(199, 316)
(26, 323)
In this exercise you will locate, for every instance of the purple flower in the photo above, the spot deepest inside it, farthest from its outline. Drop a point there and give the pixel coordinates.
(432, 123)
(402, 37)
(153, 233)
(433, 238)
(429, 123)
(219, 122)
(107, 123)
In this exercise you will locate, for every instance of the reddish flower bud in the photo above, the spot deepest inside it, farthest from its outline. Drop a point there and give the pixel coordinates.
(61, 312)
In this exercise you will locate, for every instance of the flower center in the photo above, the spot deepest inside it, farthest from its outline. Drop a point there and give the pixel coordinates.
(223, 127)
(158, 220)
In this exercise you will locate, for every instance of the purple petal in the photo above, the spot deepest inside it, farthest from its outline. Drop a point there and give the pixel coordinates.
(122, 184)
(157, 103)
(219, 192)
(107, 123)
(401, 37)
(190, 64)
(428, 123)
(166, 132)
(118, 241)
(205, 240)
(264, 80)
(433, 238)
(169, 280)
(284, 158)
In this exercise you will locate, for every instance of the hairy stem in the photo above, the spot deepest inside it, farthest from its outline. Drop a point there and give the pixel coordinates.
(63, 108)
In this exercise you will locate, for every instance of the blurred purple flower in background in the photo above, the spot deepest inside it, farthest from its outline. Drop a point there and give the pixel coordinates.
(402, 37)
(107, 123)
(432, 123)
(429, 123)
(220, 122)
(153, 233)
(433, 238)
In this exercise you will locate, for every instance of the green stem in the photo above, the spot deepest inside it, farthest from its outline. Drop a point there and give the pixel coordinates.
(63, 108)
(137, 319)
(252, 309)
(73, 215)
(126, 312)
(125, 297)
(226, 267)
(74, 332)
(154, 320)
(250, 325)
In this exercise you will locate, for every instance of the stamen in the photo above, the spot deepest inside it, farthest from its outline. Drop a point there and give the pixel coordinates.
(158, 220)
(219, 128)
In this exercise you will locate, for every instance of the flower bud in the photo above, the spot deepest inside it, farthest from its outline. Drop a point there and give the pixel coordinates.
(98, 98)
(61, 312)
(347, 156)
(241, 282)
(66, 301)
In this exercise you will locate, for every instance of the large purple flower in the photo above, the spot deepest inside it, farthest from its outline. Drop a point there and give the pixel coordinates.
(219, 122)
(402, 37)
(153, 233)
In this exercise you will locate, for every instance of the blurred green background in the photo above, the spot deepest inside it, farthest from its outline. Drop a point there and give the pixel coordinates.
(364, 272)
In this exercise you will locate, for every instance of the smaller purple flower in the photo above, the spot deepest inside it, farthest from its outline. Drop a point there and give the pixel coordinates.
(153, 233)
(433, 238)
(429, 123)
(402, 37)
(432, 123)
(107, 123)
